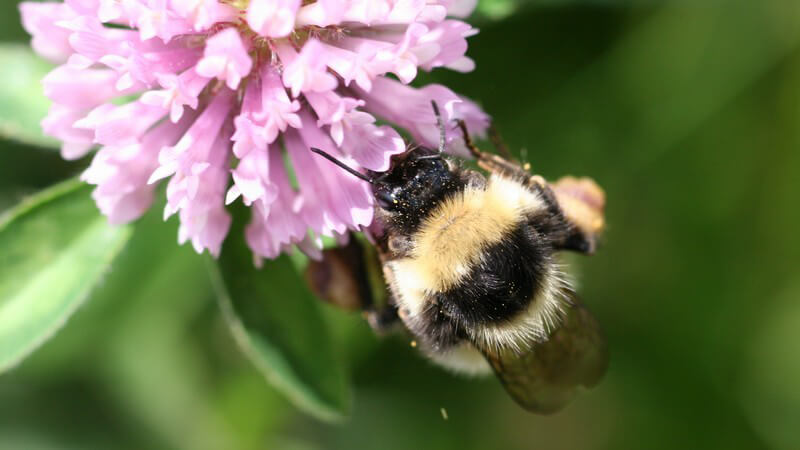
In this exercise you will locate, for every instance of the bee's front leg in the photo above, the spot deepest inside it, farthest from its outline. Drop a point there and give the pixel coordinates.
(495, 163)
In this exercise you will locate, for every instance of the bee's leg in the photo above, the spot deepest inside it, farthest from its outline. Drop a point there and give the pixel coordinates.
(344, 278)
(583, 204)
(499, 145)
(382, 320)
(496, 163)
(383, 317)
(473, 149)
(566, 221)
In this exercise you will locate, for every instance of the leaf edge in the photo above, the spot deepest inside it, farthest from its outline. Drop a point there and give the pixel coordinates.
(297, 397)
(25, 206)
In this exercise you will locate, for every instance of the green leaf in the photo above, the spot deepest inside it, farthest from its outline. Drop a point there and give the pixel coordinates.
(22, 100)
(497, 9)
(278, 324)
(54, 248)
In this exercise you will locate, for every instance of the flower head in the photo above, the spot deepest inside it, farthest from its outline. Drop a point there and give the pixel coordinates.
(221, 99)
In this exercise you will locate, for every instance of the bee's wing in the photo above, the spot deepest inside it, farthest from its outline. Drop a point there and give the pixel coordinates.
(544, 378)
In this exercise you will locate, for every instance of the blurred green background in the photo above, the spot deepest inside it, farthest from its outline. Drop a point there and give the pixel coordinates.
(687, 113)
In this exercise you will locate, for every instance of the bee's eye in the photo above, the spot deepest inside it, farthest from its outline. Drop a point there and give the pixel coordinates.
(385, 200)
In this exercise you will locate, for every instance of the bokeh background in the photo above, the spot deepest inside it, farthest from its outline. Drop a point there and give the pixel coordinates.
(687, 113)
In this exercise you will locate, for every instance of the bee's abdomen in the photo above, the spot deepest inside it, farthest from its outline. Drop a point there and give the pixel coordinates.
(501, 285)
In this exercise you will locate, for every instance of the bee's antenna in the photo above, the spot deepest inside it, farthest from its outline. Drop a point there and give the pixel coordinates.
(440, 124)
(343, 165)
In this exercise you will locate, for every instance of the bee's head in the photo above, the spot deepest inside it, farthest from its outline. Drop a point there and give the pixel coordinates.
(416, 181)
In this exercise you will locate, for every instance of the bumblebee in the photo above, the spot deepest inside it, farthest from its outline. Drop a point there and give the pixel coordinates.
(471, 267)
